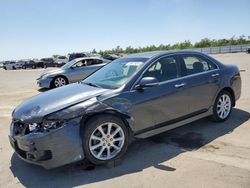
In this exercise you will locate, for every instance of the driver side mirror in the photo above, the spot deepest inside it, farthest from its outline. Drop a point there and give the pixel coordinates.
(147, 82)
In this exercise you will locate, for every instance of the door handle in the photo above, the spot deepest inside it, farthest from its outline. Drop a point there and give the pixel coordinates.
(179, 85)
(216, 74)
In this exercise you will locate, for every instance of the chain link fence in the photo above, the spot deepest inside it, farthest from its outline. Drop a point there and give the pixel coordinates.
(224, 49)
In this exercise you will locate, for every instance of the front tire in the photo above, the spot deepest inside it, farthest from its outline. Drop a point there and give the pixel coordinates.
(105, 139)
(59, 81)
(222, 107)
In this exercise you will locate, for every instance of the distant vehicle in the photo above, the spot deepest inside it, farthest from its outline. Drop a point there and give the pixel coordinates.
(9, 65)
(61, 60)
(49, 62)
(95, 55)
(32, 64)
(110, 57)
(19, 64)
(248, 50)
(73, 56)
(73, 71)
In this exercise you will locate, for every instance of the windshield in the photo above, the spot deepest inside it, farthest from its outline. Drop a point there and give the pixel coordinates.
(116, 73)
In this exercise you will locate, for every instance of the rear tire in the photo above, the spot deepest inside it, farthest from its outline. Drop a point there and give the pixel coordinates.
(222, 107)
(105, 139)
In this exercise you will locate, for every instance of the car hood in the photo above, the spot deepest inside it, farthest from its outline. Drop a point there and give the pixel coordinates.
(35, 108)
(51, 71)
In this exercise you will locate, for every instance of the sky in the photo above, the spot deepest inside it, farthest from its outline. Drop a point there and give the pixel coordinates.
(41, 28)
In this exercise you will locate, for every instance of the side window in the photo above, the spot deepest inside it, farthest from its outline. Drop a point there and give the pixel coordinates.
(164, 69)
(195, 64)
(79, 64)
(97, 61)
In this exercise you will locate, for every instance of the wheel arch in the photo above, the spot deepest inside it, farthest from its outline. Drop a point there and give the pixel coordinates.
(125, 119)
(231, 91)
(56, 76)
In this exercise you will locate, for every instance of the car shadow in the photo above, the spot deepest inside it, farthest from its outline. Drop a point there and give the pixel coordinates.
(142, 154)
(43, 89)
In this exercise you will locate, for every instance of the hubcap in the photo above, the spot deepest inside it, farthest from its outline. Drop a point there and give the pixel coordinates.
(224, 106)
(106, 141)
(60, 82)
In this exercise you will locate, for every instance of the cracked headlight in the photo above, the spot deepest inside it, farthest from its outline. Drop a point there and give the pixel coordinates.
(52, 124)
(45, 126)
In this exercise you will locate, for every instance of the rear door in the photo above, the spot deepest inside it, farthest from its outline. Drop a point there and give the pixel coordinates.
(202, 78)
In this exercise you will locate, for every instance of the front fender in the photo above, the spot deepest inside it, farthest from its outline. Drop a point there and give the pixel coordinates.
(117, 106)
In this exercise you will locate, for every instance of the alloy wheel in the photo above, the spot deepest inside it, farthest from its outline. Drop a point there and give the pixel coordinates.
(59, 81)
(106, 141)
(224, 106)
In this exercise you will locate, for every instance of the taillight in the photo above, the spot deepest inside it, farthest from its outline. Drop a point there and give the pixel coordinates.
(237, 75)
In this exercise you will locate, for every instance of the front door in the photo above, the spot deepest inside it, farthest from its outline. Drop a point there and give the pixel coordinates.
(82, 69)
(157, 106)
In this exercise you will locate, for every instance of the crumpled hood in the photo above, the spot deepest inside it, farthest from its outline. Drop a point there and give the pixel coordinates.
(51, 101)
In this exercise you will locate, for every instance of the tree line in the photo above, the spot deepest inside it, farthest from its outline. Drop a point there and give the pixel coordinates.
(180, 45)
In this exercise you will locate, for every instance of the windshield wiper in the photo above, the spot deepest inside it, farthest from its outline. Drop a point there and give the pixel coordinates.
(91, 84)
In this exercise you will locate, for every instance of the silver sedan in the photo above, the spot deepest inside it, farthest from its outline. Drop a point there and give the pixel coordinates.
(71, 72)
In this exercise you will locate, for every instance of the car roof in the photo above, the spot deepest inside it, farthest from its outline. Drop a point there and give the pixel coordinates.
(83, 58)
(152, 54)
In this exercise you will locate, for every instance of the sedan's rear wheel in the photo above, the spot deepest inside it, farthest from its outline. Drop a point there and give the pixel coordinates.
(59, 81)
(105, 139)
(222, 107)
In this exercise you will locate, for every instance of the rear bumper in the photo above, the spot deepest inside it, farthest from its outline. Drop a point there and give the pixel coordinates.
(50, 149)
(44, 83)
(236, 86)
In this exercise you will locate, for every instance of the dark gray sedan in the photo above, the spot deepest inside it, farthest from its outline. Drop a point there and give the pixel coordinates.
(73, 71)
(139, 95)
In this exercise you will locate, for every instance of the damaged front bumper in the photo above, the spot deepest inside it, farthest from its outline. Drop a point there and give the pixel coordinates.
(49, 149)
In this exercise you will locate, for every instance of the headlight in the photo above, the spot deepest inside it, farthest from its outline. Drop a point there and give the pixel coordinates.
(52, 124)
(45, 126)
(33, 127)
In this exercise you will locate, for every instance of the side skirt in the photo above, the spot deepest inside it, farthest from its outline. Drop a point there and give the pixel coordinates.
(167, 126)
